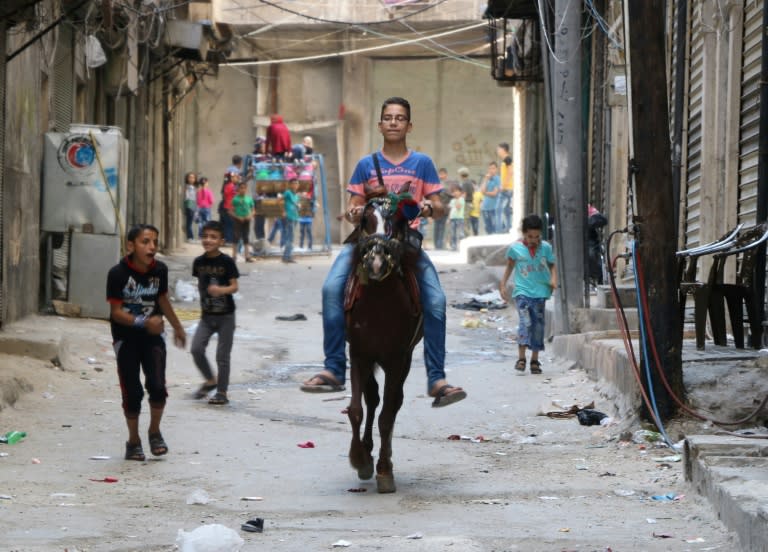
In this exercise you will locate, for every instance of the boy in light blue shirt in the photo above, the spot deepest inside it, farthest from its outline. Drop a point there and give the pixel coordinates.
(532, 261)
(490, 187)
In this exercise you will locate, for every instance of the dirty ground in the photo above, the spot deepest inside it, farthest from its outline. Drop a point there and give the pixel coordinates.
(512, 480)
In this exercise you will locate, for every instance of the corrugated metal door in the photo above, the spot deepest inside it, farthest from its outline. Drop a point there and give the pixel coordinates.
(693, 158)
(749, 134)
(63, 88)
(3, 41)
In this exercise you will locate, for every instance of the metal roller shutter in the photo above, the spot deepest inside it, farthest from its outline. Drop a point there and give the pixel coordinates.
(749, 134)
(693, 159)
(3, 40)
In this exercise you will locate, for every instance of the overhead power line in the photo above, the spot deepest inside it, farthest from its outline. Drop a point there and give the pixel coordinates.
(356, 51)
(338, 22)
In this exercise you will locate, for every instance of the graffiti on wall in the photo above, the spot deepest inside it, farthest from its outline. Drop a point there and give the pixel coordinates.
(471, 153)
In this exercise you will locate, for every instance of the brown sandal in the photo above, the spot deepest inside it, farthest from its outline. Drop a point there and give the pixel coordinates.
(520, 365)
(134, 452)
(535, 367)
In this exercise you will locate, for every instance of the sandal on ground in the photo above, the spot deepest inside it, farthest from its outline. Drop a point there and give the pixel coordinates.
(329, 385)
(535, 367)
(157, 444)
(204, 389)
(134, 452)
(218, 398)
(520, 365)
(445, 396)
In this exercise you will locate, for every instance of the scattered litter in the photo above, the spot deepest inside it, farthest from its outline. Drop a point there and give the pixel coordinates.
(662, 536)
(255, 525)
(252, 498)
(5, 497)
(341, 544)
(567, 411)
(357, 490)
(697, 539)
(549, 498)
(209, 538)
(581, 467)
(92, 360)
(198, 496)
(472, 323)
(3, 454)
(291, 318)
(415, 536)
(36, 461)
(490, 300)
(589, 417)
(673, 458)
(623, 492)
(186, 291)
(646, 436)
(100, 457)
(47, 395)
(669, 497)
(308, 444)
(336, 398)
(564, 530)
(62, 495)
(13, 437)
(499, 453)
(256, 391)
(607, 474)
(487, 501)
(106, 480)
(650, 520)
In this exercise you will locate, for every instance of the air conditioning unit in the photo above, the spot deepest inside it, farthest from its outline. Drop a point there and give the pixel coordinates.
(187, 39)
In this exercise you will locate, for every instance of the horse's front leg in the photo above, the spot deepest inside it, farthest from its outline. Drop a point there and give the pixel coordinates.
(371, 393)
(393, 400)
(359, 457)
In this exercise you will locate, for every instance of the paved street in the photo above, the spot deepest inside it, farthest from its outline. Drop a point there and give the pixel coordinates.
(531, 483)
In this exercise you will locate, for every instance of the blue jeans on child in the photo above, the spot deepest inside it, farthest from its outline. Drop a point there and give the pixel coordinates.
(288, 227)
(432, 304)
(530, 332)
(203, 216)
(305, 229)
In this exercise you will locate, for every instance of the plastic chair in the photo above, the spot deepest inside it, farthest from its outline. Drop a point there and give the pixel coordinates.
(687, 264)
(742, 293)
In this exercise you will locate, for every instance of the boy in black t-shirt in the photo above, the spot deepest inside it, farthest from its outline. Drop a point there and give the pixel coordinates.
(217, 276)
(137, 290)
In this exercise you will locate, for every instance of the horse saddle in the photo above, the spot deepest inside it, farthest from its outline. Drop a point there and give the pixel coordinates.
(354, 289)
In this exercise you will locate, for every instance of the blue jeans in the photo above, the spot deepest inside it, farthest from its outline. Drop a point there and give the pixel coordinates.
(277, 226)
(432, 304)
(530, 332)
(203, 216)
(504, 211)
(189, 216)
(439, 225)
(457, 233)
(305, 229)
(489, 221)
(288, 227)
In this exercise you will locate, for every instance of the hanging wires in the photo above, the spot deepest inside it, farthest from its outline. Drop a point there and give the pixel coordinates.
(323, 20)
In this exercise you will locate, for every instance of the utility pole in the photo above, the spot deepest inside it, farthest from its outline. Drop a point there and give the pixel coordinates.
(651, 164)
(567, 121)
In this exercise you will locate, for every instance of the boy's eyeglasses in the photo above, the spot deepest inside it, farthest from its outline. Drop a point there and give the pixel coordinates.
(390, 118)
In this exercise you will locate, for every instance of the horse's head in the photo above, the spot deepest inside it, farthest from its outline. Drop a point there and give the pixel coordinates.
(383, 225)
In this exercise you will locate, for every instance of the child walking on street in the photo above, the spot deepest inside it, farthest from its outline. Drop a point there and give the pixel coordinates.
(291, 199)
(217, 276)
(533, 263)
(243, 209)
(456, 216)
(137, 291)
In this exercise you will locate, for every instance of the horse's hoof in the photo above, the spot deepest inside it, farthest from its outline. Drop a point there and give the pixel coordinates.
(385, 483)
(366, 472)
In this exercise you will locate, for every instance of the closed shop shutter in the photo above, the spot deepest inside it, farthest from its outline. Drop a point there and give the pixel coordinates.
(63, 79)
(693, 159)
(3, 39)
(749, 131)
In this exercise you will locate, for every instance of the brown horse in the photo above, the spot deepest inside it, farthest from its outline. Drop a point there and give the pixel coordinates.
(384, 324)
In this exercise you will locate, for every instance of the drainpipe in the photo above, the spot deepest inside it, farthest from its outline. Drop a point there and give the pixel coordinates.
(762, 185)
(681, 31)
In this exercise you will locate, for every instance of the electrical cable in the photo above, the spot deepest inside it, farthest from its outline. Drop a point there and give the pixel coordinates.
(355, 51)
(643, 322)
(322, 20)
